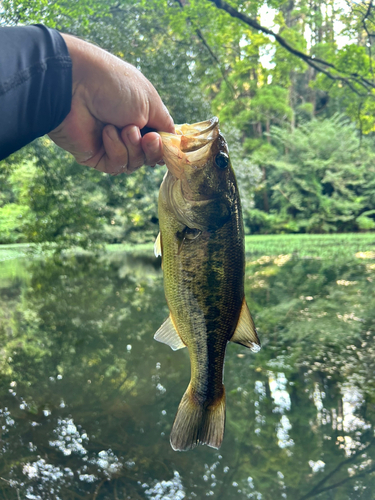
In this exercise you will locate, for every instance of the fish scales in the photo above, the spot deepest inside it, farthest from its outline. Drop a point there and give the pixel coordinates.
(202, 245)
(204, 299)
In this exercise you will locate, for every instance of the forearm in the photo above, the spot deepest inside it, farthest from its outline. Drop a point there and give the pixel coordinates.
(35, 84)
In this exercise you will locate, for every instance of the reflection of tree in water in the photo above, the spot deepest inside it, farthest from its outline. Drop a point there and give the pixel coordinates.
(88, 398)
(82, 329)
(320, 323)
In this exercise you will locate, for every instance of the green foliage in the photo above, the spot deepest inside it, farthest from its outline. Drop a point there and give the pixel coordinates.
(11, 217)
(60, 15)
(71, 205)
(293, 174)
(321, 180)
(15, 212)
(365, 222)
(66, 205)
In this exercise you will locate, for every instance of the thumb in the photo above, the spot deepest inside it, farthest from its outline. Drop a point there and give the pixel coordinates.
(159, 117)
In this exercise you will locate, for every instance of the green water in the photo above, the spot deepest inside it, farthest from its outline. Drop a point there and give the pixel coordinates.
(88, 398)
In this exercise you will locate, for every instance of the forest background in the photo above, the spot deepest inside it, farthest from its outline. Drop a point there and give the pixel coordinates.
(292, 82)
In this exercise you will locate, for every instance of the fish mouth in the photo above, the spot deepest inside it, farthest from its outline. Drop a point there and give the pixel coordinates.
(191, 145)
(208, 129)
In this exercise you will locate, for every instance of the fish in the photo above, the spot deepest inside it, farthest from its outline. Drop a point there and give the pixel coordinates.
(201, 242)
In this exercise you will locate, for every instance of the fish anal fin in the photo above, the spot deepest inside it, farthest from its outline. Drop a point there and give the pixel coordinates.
(198, 424)
(157, 246)
(245, 333)
(167, 334)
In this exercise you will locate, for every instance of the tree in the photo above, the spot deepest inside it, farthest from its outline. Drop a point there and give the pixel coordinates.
(320, 180)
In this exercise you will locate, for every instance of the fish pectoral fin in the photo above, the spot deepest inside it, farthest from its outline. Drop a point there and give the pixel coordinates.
(167, 334)
(186, 235)
(245, 333)
(157, 246)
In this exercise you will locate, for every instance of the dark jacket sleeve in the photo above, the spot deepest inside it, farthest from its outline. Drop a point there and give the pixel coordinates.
(35, 84)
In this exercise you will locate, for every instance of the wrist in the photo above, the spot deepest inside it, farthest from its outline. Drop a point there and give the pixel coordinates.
(82, 55)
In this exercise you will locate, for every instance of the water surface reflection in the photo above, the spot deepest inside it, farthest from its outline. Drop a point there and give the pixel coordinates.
(87, 397)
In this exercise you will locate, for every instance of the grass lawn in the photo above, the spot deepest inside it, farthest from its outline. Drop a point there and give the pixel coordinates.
(302, 245)
(310, 245)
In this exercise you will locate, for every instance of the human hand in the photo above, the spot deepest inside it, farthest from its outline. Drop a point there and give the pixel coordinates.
(111, 102)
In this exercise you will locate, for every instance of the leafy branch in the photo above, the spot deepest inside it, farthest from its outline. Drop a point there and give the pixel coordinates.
(369, 35)
(208, 48)
(320, 65)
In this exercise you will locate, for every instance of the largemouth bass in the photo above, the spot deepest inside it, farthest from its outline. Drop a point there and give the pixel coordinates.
(201, 241)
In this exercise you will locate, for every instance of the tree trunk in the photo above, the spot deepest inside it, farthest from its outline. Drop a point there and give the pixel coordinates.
(266, 206)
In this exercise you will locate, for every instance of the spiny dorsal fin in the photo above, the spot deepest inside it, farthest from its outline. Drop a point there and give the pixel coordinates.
(167, 334)
(157, 245)
(245, 333)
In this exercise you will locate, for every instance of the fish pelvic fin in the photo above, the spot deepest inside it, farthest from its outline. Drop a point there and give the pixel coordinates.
(168, 334)
(196, 423)
(157, 246)
(245, 333)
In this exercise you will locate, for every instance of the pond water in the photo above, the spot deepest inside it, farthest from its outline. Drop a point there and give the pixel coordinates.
(88, 398)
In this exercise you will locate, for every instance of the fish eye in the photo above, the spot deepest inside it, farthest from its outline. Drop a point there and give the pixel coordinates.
(222, 160)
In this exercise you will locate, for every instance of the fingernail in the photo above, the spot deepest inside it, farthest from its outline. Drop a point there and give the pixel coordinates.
(134, 135)
(153, 146)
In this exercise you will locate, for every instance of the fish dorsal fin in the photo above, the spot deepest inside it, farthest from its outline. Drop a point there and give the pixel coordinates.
(245, 333)
(157, 245)
(167, 334)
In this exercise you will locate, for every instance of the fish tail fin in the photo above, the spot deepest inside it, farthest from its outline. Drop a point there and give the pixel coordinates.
(196, 423)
